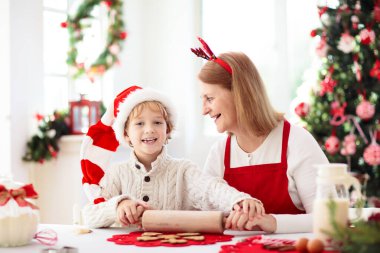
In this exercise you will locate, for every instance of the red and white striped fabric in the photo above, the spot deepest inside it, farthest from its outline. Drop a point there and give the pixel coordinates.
(97, 148)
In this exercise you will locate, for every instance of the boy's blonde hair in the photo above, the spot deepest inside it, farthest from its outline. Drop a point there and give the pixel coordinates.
(155, 106)
(255, 113)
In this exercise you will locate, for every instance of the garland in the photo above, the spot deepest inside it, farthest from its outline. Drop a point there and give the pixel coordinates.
(115, 36)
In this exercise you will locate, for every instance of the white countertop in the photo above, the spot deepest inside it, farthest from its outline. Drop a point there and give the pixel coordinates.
(96, 242)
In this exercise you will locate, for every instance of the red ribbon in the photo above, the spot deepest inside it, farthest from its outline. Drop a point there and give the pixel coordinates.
(19, 195)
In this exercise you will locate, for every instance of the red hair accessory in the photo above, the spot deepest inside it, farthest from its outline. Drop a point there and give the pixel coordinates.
(207, 54)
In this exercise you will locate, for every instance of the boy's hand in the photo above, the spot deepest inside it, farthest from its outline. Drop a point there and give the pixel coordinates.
(130, 211)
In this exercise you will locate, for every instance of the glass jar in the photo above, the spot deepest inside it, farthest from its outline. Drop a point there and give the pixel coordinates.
(333, 183)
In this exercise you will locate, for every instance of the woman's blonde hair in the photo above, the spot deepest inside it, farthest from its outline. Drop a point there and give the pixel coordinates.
(254, 111)
(155, 106)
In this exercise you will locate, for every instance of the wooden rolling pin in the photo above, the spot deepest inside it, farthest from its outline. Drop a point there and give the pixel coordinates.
(183, 221)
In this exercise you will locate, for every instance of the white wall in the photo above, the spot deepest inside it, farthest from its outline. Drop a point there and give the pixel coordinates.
(5, 86)
(25, 76)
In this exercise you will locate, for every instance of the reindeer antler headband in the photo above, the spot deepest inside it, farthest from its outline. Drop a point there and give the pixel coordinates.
(207, 54)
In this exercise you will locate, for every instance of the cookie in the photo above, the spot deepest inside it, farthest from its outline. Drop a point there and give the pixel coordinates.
(194, 238)
(151, 234)
(167, 236)
(147, 238)
(188, 234)
(174, 241)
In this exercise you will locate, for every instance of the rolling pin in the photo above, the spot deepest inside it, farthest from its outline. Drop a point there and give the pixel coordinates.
(183, 221)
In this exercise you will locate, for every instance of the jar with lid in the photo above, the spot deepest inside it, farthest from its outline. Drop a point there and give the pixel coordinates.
(333, 184)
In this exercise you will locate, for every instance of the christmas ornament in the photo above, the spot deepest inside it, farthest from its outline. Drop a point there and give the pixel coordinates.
(346, 43)
(372, 152)
(375, 71)
(115, 38)
(337, 113)
(367, 36)
(332, 145)
(302, 109)
(327, 85)
(365, 110)
(349, 145)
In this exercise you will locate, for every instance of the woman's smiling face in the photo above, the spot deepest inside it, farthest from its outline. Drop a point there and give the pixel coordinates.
(218, 103)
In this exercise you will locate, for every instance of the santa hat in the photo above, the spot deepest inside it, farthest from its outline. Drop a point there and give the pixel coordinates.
(128, 99)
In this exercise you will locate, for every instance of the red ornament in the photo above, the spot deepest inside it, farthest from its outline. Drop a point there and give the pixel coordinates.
(327, 85)
(367, 36)
(332, 145)
(372, 154)
(123, 35)
(64, 24)
(349, 145)
(39, 117)
(302, 109)
(337, 112)
(365, 110)
(313, 33)
(375, 71)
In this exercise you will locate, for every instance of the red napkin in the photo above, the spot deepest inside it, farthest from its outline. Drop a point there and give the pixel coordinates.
(255, 245)
(130, 239)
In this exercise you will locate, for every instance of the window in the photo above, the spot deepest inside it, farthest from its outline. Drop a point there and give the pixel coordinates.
(273, 33)
(59, 88)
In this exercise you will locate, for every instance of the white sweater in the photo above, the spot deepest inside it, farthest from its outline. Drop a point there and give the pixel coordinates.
(171, 184)
(303, 153)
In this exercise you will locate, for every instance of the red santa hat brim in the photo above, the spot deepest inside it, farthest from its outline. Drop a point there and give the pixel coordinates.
(134, 98)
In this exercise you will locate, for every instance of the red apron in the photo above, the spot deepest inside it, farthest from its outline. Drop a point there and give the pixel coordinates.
(266, 182)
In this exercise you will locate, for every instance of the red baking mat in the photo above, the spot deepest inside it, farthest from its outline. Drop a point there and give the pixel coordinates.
(130, 239)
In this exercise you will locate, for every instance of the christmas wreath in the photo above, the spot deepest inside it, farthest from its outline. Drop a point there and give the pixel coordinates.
(115, 36)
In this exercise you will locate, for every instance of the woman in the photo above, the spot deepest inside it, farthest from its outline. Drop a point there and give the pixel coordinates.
(262, 155)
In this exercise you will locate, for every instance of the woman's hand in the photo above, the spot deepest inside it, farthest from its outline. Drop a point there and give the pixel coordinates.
(266, 223)
(252, 207)
(244, 211)
(130, 211)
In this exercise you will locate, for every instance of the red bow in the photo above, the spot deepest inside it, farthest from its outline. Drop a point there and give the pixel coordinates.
(19, 195)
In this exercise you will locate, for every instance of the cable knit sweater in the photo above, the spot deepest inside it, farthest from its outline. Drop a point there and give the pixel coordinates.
(171, 184)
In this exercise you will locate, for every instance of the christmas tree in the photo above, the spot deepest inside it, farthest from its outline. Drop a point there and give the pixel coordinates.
(342, 112)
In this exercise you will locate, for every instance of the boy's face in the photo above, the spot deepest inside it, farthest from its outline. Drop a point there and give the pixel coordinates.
(147, 132)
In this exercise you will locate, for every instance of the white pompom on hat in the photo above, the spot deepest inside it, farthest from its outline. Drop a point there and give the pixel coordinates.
(128, 99)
